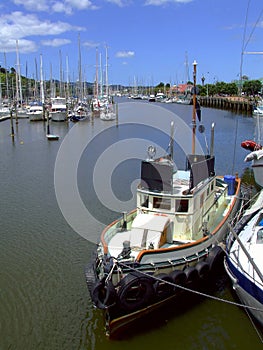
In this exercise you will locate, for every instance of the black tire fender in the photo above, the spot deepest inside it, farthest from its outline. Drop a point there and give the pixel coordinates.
(161, 288)
(215, 258)
(191, 275)
(103, 294)
(178, 277)
(135, 292)
(203, 269)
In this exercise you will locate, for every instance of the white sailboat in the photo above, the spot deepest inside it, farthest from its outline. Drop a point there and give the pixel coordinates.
(108, 109)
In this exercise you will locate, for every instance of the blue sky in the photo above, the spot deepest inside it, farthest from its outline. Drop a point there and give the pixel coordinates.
(149, 41)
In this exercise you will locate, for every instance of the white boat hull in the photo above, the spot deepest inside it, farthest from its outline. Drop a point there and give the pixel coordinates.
(244, 263)
(35, 116)
(254, 306)
(58, 116)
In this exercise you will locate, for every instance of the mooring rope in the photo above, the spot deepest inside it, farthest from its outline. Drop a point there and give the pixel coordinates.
(192, 290)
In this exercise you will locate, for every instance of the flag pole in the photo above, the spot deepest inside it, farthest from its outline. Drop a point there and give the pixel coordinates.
(194, 109)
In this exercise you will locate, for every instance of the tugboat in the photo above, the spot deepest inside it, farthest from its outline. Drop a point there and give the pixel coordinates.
(171, 242)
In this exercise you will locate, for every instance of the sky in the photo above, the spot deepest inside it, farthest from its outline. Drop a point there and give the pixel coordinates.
(147, 41)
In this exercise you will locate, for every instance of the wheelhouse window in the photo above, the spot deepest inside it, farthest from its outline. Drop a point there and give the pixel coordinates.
(182, 205)
(144, 201)
(260, 236)
(161, 203)
(212, 186)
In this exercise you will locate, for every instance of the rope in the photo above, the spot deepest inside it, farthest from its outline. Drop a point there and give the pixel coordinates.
(254, 326)
(192, 290)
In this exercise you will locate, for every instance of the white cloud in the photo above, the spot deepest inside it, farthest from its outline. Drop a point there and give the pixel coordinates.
(122, 54)
(81, 4)
(120, 3)
(39, 5)
(55, 42)
(90, 44)
(163, 2)
(18, 26)
(24, 46)
(63, 6)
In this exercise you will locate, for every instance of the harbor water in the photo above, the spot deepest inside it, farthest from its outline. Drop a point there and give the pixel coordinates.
(57, 196)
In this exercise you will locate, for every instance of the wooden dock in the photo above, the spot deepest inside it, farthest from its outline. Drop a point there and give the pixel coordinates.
(234, 104)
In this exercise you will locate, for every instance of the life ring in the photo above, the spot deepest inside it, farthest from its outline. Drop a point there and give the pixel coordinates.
(203, 270)
(162, 289)
(135, 292)
(251, 145)
(178, 277)
(215, 258)
(104, 294)
(191, 276)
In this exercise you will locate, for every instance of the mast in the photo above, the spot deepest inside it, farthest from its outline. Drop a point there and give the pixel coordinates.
(171, 144)
(6, 80)
(101, 78)
(106, 73)
(194, 109)
(67, 68)
(41, 82)
(96, 77)
(19, 87)
(36, 82)
(80, 74)
(60, 73)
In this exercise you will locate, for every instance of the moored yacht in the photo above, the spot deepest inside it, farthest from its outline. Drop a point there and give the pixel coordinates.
(58, 111)
(244, 259)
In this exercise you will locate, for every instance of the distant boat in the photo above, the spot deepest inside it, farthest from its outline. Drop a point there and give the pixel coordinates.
(152, 98)
(258, 111)
(58, 111)
(160, 97)
(184, 100)
(80, 112)
(108, 112)
(4, 111)
(35, 112)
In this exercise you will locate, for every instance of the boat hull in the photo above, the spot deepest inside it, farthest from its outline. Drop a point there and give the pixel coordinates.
(131, 289)
(247, 291)
(58, 116)
(35, 116)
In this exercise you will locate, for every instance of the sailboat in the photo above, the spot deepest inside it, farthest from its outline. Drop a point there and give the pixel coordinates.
(48, 134)
(170, 243)
(81, 111)
(107, 109)
(244, 259)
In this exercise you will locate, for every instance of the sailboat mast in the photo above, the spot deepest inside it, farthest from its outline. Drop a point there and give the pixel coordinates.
(19, 74)
(41, 82)
(96, 77)
(194, 109)
(80, 74)
(6, 80)
(101, 78)
(106, 73)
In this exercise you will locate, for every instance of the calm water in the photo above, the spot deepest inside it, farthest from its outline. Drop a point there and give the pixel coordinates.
(46, 238)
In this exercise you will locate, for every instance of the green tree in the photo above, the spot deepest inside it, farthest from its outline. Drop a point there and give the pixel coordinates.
(252, 87)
